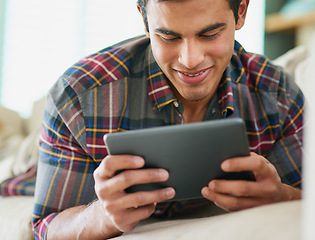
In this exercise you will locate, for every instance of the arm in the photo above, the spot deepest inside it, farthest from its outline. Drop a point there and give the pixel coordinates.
(115, 211)
(73, 200)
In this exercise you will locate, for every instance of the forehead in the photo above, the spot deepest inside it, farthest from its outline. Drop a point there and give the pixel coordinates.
(161, 1)
(189, 18)
(191, 9)
(192, 2)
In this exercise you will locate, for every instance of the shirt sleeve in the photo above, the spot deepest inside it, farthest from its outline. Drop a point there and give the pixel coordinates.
(286, 153)
(65, 171)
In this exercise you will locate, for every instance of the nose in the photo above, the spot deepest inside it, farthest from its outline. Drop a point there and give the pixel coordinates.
(191, 54)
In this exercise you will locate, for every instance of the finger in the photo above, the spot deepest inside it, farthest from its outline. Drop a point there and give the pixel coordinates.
(142, 212)
(254, 163)
(237, 188)
(139, 199)
(130, 178)
(130, 218)
(231, 203)
(112, 163)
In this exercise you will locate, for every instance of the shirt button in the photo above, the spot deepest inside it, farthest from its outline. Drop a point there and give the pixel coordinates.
(176, 104)
(213, 110)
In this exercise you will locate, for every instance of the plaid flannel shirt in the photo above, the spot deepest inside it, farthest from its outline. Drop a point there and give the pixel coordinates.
(122, 88)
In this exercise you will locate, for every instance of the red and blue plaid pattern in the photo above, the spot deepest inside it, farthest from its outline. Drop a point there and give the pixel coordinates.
(23, 184)
(122, 88)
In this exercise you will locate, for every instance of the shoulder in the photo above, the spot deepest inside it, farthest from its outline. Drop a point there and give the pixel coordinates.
(71, 96)
(257, 71)
(105, 66)
(267, 83)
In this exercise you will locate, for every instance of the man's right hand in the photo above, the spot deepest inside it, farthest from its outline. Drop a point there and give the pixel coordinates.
(123, 211)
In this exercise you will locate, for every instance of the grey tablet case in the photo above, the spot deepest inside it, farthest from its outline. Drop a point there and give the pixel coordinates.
(192, 153)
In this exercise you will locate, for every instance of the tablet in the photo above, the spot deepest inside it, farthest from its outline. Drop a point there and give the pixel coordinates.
(191, 153)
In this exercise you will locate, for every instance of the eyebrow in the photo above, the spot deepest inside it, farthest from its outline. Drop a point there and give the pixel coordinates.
(203, 31)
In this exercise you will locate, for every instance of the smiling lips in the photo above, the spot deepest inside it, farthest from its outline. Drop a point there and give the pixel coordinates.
(193, 78)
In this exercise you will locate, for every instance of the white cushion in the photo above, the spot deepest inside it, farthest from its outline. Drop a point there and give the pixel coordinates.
(16, 217)
(280, 221)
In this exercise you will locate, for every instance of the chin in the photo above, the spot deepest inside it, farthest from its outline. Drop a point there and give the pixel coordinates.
(194, 98)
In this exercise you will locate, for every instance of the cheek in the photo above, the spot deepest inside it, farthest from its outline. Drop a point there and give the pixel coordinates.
(222, 49)
(163, 53)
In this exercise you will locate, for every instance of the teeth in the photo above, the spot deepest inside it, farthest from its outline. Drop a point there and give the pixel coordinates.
(193, 75)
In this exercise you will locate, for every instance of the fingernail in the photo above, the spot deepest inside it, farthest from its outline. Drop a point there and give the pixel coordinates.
(205, 191)
(169, 192)
(138, 161)
(212, 185)
(163, 174)
(225, 165)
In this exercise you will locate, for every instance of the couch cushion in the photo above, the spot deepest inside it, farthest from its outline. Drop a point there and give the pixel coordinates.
(16, 216)
(281, 221)
(21, 168)
(19, 163)
(23, 184)
(11, 136)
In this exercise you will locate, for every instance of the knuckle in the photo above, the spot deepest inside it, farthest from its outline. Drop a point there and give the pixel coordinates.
(244, 189)
(102, 189)
(96, 174)
(102, 170)
(97, 189)
(272, 190)
(107, 163)
(235, 204)
(100, 194)
(126, 177)
(140, 200)
(261, 163)
(108, 207)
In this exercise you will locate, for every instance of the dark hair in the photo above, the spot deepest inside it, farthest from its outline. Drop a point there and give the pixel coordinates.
(234, 5)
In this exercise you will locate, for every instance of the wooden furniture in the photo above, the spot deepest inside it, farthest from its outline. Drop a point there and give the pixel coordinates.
(303, 25)
(277, 22)
(286, 31)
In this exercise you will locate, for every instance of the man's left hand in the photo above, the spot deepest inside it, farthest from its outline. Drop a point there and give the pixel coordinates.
(233, 195)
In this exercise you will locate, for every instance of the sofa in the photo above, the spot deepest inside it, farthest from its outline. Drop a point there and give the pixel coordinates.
(19, 155)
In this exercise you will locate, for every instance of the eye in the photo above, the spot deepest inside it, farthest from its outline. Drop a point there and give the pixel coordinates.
(168, 39)
(211, 37)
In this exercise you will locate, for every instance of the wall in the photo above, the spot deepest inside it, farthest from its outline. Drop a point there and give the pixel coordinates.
(3, 4)
(252, 35)
(44, 38)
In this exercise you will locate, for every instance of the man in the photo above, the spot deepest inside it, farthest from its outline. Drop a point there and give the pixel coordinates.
(189, 69)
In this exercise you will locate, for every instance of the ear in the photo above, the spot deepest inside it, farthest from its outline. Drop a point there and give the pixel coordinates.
(242, 11)
(145, 29)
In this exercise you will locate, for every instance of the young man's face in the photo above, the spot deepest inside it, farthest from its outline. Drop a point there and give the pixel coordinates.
(192, 41)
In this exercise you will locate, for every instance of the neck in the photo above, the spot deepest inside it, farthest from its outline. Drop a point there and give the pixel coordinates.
(195, 111)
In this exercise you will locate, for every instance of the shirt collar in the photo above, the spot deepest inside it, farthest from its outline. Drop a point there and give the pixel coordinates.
(159, 90)
(225, 94)
(234, 75)
(161, 94)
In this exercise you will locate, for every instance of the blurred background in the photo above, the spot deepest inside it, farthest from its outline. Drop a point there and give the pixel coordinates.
(40, 39)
